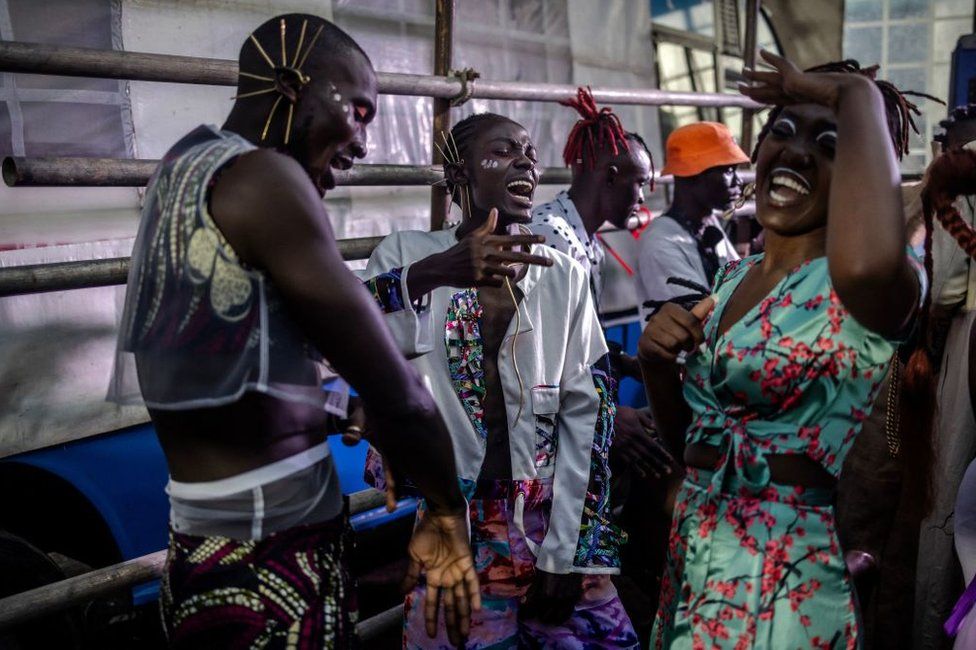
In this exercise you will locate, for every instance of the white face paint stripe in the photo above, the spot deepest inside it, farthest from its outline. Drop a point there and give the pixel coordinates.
(786, 120)
(828, 133)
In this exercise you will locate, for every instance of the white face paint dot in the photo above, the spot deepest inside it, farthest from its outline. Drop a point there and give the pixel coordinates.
(336, 97)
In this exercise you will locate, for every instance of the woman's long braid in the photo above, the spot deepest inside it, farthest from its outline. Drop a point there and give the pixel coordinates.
(952, 175)
(597, 128)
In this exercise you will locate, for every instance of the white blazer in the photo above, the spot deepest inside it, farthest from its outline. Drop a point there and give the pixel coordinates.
(559, 340)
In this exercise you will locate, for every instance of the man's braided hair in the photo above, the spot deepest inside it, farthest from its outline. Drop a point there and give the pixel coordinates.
(597, 129)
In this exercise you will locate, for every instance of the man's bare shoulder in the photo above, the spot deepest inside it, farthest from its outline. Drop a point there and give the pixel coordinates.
(265, 195)
(264, 178)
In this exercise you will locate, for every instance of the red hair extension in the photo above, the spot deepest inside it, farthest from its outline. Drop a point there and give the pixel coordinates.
(597, 128)
(951, 175)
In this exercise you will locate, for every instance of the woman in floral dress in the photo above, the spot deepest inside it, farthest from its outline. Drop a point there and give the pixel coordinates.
(782, 364)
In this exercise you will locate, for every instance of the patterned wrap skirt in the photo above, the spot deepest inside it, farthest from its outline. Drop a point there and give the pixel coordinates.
(748, 571)
(288, 590)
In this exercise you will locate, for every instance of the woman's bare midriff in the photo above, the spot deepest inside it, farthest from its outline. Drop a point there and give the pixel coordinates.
(785, 469)
(214, 443)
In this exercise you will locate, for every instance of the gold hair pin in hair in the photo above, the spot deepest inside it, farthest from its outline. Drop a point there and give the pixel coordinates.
(294, 69)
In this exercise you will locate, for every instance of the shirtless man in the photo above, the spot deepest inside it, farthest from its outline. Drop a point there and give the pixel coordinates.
(511, 347)
(236, 293)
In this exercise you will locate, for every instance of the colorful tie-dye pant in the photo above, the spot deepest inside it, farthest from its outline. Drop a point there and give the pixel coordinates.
(508, 520)
(289, 590)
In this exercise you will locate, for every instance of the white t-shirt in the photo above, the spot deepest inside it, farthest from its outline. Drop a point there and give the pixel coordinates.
(668, 251)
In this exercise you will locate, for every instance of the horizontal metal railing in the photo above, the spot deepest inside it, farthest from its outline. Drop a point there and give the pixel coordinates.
(121, 172)
(64, 594)
(61, 276)
(55, 171)
(39, 58)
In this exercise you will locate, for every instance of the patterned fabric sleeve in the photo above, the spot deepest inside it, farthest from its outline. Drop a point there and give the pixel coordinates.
(600, 539)
(409, 319)
(387, 290)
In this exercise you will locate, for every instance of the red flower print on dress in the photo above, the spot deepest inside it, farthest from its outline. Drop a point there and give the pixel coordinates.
(803, 593)
(796, 376)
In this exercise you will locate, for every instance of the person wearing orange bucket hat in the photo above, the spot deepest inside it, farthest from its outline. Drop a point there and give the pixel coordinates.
(683, 248)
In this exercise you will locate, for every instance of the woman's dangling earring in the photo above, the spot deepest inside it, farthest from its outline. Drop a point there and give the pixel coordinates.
(748, 191)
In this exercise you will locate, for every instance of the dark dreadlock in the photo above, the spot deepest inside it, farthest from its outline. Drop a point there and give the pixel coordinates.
(917, 403)
(899, 110)
(462, 136)
(596, 128)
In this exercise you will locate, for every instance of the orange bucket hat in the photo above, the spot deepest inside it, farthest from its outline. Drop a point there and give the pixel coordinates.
(696, 147)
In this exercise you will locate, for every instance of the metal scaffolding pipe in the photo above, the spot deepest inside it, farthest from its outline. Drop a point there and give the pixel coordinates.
(64, 594)
(39, 58)
(441, 122)
(60, 276)
(753, 8)
(374, 626)
(120, 172)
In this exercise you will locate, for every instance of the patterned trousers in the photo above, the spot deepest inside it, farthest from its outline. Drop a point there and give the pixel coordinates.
(288, 590)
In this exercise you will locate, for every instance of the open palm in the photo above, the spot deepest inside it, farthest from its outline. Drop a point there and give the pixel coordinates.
(440, 548)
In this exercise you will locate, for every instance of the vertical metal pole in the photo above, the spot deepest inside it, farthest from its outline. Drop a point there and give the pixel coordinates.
(443, 55)
(749, 56)
(743, 225)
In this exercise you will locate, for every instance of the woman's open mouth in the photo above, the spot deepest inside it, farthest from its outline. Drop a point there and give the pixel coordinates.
(521, 191)
(787, 187)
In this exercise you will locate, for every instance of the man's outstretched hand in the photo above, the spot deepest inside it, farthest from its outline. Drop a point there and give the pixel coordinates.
(440, 547)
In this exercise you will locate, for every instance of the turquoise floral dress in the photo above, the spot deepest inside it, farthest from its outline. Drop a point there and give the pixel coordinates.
(755, 564)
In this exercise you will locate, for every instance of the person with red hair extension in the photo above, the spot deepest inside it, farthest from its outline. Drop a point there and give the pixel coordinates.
(610, 169)
(948, 182)
(781, 366)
